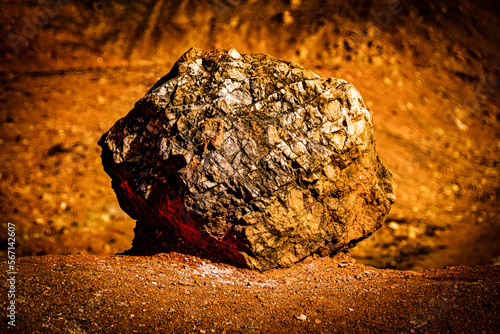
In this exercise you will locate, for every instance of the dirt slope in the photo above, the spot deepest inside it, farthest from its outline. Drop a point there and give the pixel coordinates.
(429, 71)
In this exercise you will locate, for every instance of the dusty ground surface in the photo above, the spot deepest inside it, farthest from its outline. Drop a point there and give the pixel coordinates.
(173, 293)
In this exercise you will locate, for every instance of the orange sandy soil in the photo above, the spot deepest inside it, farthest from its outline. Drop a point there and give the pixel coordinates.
(430, 75)
(173, 293)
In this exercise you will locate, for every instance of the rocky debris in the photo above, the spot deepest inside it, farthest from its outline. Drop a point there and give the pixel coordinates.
(249, 160)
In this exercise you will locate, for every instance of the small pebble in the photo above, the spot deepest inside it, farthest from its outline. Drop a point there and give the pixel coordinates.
(302, 317)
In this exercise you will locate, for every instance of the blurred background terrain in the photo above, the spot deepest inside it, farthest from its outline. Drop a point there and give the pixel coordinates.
(429, 71)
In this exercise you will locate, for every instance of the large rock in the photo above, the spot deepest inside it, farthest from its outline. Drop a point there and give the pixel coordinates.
(247, 159)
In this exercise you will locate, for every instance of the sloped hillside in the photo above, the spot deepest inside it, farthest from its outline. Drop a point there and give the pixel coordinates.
(428, 70)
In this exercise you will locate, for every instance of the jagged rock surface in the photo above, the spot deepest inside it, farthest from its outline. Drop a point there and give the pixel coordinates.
(247, 159)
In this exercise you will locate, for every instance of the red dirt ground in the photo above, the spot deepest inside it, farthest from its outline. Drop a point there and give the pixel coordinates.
(182, 294)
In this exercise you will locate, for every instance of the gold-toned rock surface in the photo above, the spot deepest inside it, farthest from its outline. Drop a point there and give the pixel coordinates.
(248, 159)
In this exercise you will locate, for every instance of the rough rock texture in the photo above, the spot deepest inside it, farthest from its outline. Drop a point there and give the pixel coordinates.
(247, 159)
